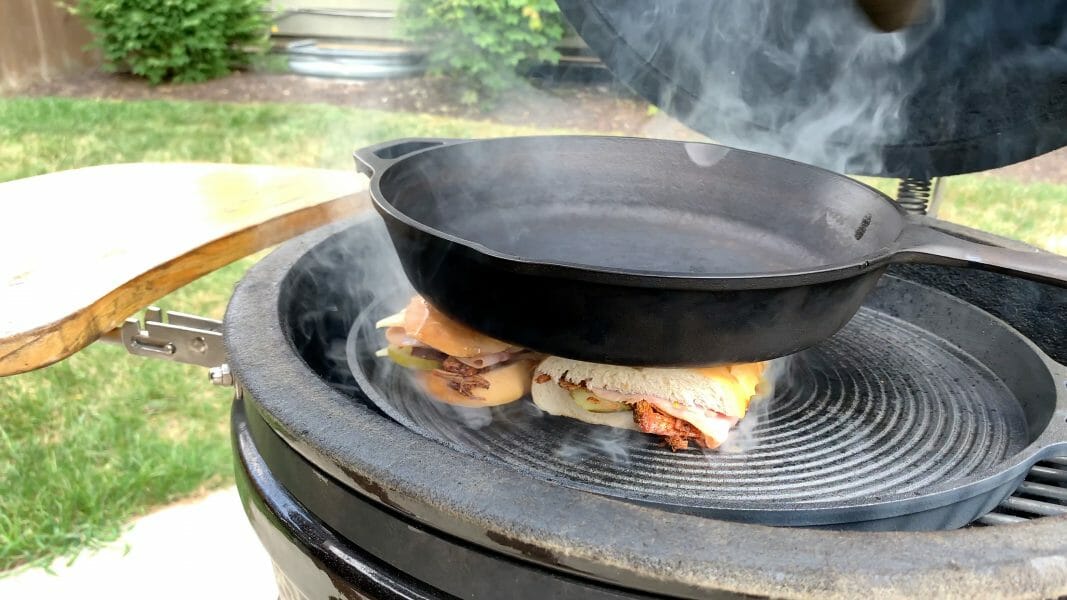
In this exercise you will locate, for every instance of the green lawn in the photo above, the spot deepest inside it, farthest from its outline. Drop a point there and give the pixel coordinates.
(101, 437)
(44, 135)
(1035, 213)
(92, 441)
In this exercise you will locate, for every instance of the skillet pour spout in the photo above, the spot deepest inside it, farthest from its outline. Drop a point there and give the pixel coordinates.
(645, 252)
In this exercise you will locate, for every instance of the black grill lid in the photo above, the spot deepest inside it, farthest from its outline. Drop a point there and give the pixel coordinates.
(978, 85)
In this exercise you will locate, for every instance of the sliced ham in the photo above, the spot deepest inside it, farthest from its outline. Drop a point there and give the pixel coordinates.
(475, 370)
(431, 327)
(396, 336)
(714, 425)
(486, 360)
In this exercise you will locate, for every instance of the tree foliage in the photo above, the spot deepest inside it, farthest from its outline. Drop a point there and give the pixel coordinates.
(481, 43)
(175, 40)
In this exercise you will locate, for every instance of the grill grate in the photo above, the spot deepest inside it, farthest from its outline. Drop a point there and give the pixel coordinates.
(881, 412)
(1042, 494)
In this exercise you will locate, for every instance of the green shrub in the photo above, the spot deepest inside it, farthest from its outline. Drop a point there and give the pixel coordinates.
(481, 43)
(175, 40)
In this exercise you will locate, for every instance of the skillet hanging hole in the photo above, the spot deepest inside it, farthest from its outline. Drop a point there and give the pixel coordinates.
(862, 229)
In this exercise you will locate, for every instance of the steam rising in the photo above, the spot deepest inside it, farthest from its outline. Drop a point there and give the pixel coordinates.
(745, 68)
(744, 436)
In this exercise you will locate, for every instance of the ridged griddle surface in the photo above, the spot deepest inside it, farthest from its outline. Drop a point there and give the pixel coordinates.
(883, 408)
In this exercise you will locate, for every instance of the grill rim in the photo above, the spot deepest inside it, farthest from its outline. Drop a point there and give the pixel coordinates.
(524, 518)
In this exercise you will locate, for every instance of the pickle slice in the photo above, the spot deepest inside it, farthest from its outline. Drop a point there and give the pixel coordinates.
(402, 356)
(588, 401)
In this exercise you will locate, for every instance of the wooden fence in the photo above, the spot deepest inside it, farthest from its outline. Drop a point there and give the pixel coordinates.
(39, 40)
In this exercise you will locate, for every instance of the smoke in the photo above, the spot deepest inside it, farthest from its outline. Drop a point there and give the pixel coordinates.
(605, 443)
(745, 436)
(811, 82)
(370, 274)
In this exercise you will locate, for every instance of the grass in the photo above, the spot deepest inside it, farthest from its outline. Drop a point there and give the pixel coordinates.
(45, 135)
(90, 442)
(1035, 213)
(102, 437)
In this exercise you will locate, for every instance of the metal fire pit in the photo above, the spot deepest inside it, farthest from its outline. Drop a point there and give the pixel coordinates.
(343, 496)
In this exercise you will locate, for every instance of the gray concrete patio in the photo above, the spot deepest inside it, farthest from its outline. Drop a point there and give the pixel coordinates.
(198, 549)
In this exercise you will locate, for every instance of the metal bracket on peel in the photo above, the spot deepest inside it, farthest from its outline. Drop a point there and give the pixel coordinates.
(174, 336)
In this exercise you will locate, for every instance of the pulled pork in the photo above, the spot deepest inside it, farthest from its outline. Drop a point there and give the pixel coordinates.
(462, 377)
(676, 432)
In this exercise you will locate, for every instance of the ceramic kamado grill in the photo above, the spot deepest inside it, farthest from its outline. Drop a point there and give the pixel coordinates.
(916, 446)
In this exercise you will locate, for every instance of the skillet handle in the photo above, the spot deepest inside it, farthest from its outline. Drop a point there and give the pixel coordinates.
(375, 159)
(921, 243)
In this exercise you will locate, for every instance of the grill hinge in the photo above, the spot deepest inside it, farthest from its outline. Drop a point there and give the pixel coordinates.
(174, 336)
(920, 196)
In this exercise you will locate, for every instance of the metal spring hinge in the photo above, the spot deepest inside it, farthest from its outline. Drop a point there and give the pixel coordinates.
(172, 336)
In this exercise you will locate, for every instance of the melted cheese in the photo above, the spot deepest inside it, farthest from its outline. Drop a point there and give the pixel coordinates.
(739, 381)
(749, 375)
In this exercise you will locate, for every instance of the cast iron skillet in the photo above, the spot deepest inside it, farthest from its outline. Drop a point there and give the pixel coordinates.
(648, 252)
